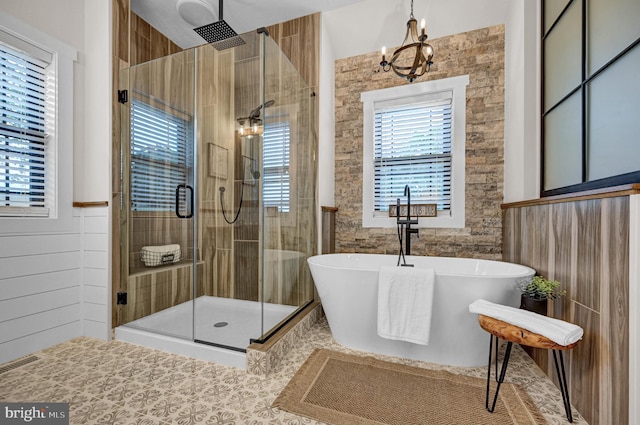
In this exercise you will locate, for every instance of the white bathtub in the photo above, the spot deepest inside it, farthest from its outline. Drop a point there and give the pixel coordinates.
(348, 289)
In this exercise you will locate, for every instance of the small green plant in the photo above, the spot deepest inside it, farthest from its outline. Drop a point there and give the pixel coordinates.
(541, 288)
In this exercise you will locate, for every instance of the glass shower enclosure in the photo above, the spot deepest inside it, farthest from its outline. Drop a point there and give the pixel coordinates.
(218, 180)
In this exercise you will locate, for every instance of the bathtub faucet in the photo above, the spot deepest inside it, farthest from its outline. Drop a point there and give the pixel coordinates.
(406, 223)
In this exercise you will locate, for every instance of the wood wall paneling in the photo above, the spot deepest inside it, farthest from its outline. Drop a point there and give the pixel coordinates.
(588, 252)
(560, 258)
(614, 305)
(585, 369)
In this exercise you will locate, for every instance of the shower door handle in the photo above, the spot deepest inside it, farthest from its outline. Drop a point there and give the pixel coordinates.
(178, 192)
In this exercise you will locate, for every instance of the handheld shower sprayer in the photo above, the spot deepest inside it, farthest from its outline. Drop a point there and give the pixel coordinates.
(222, 189)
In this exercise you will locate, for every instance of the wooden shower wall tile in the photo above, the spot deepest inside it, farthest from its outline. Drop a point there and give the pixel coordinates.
(304, 54)
(162, 290)
(140, 49)
(223, 274)
(139, 298)
(159, 44)
(246, 273)
(121, 29)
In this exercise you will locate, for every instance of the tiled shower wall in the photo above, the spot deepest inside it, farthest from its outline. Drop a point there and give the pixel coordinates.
(479, 54)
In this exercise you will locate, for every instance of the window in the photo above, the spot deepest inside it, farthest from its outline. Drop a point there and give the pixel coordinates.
(415, 135)
(27, 165)
(590, 95)
(276, 159)
(34, 51)
(160, 154)
(412, 146)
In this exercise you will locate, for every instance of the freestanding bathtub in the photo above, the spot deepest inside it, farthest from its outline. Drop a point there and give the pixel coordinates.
(348, 289)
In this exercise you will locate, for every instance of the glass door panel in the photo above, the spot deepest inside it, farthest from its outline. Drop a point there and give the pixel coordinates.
(158, 202)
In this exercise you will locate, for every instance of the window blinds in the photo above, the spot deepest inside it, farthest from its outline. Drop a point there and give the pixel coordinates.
(23, 133)
(412, 146)
(276, 159)
(159, 156)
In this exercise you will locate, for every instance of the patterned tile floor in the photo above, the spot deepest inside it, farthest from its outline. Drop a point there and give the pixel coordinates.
(120, 383)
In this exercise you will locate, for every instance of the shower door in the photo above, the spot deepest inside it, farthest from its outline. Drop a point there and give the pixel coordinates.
(159, 261)
(218, 162)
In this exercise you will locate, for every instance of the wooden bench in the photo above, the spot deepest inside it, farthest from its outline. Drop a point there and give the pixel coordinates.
(511, 334)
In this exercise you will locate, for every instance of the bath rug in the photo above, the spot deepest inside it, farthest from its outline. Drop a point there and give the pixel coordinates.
(344, 389)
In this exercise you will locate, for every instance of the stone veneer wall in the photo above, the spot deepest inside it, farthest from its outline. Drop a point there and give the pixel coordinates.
(478, 53)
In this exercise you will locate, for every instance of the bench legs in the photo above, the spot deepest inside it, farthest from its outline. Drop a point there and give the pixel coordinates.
(564, 389)
(503, 371)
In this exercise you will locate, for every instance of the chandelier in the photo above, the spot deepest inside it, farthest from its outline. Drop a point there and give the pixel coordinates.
(413, 58)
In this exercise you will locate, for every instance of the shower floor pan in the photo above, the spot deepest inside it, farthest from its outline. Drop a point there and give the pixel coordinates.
(221, 321)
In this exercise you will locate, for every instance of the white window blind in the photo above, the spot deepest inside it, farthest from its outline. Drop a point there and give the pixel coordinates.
(25, 108)
(276, 159)
(160, 154)
(413, 146)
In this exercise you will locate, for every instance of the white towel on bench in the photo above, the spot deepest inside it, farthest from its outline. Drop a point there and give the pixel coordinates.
(405, 297)
(558, 331)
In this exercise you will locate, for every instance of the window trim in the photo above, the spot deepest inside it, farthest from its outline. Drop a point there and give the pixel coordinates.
(61, 215)
(410, 92)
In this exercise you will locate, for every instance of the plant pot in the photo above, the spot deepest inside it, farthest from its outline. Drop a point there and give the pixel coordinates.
(534, 305)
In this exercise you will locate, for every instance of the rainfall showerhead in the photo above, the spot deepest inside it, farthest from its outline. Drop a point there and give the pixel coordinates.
(219, 34)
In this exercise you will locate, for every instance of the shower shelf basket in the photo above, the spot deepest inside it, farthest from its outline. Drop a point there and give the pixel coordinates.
(161, 254)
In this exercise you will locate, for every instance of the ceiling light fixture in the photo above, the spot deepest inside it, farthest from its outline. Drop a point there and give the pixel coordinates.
(413, 58)
(196, 12)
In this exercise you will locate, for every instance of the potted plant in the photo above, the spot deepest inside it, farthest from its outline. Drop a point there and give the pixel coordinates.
(536, 291)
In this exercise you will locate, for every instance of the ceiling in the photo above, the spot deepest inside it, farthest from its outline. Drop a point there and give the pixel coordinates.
(242, 15)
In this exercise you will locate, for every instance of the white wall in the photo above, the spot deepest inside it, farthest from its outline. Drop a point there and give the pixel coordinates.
(522, 102)
(368, 25)
(55, 283)
(96, 160)
(326, 123)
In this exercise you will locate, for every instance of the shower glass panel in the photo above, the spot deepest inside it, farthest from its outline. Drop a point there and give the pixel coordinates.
(158, 256)
(218, 158)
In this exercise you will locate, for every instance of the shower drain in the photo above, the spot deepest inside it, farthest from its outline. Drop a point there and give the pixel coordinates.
(220, 324)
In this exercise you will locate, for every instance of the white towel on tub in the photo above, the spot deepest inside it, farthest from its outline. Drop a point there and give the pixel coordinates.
(405, 298)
